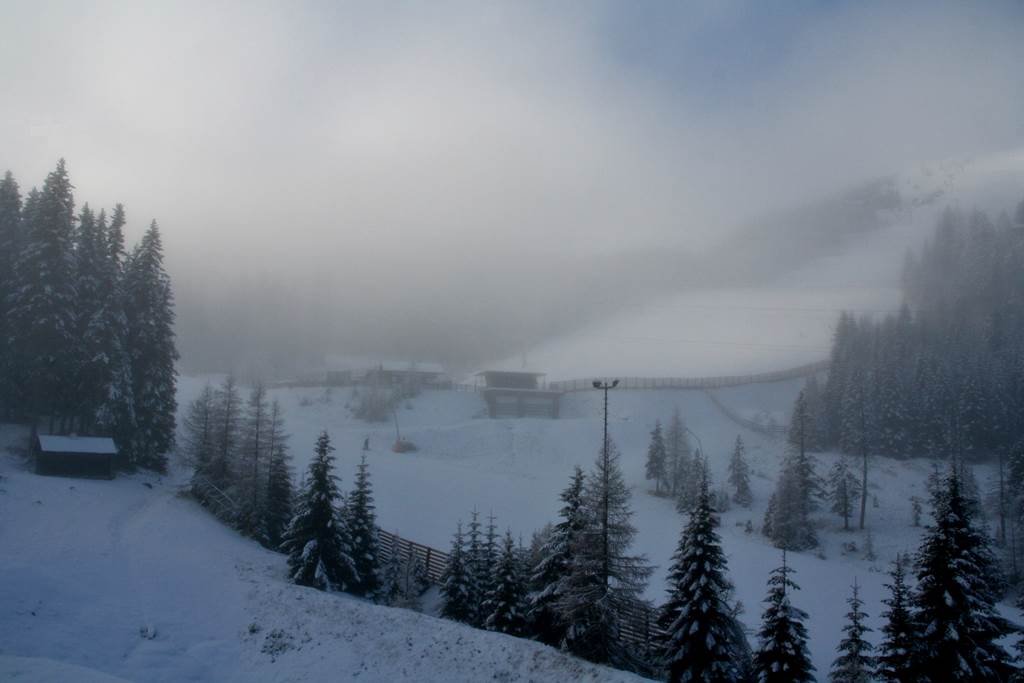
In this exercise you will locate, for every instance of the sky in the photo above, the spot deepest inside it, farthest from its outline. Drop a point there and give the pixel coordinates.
(450, 180)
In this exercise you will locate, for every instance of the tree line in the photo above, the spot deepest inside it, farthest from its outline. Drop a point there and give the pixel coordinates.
(945, 375)
(86, 327)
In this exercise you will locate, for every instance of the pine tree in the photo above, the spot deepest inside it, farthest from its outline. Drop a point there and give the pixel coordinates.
(226, 434)
(249, 486)
(739, 475)
(362, 524)
(506, 601)
(855, 662)
(898, 633)
(277, 506)
(455, 583)
(703, 640)
(790, 525)
(956, 624)
(10, 247)
(782, 656)
(679, 458)
(42, 308)
(150, 314)
(605, 582)
(843, 490)
(476, 564)
(485, 577)
(554, 564)
(197, 444)
(656, 458)
(317, 541)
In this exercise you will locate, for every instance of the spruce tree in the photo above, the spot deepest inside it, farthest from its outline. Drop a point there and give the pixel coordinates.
(898, 632)
(855, 663)
(150, 314)
(679, 457)
(476, 564)
(656, 458)
(362, 524)
(505, 605)
(277, 506)
(197, 443)
(455, 583)
(782, 656)
(703, 640)
(956, 625)
(843, 490)
(10, 247)
(317, 540)
(226, 434)
(555, 558)
(605, 582)
(249, 486)
(739, 475)
(42, 308)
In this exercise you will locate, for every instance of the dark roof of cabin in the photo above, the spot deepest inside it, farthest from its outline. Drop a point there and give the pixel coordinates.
(86, 445)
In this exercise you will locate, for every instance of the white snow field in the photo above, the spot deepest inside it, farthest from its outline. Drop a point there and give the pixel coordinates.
(515, 469)
(125, 580)
(142, 584)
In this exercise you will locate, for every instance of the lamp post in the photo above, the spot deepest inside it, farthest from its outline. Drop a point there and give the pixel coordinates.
(606, 386)
(605, 569)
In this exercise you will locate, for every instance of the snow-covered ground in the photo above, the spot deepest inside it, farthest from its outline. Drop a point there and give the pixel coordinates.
(91, 568)
(516, 468)
(126, 580)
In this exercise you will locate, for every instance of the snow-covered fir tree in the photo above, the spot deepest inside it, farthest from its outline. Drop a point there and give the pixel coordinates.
(196, 445)
(843, 489)
(149, 309)
(277, 510)
(41, 308)
(703, 640)
(554, 564)
(10, 247)
(893, 662)
(855, 663)
(249, 487)
(788, 519)
(226, 435)
(957, 628)
(362, 525)
(739, 474)
(506, 601)
(679, 458)
(317, 540)
(404, 580)
(606, 582)
(476, 565)
(657, 457)
(455, 583)
(782, 655)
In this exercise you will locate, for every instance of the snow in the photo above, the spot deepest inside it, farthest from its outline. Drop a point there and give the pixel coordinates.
(92, 445)
(516, 469)
(116, 580)
(136, 561)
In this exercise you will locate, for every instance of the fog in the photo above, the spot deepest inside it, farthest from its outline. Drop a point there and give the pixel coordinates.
(462, 182)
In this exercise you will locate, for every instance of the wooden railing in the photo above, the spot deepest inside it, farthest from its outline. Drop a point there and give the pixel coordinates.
(638, 626)
(772, 430)
(694, 382)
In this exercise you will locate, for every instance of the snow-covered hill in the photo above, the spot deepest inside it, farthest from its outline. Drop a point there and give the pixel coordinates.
(770, 296)
(516, 469)
(91, 569)
(125, 580)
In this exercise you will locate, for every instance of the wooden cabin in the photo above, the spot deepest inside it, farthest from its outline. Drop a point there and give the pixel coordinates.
(74, 456)
(518, 394)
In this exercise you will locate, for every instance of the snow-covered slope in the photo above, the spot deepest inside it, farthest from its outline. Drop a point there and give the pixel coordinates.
(516, 469)
(786, 314)
(124, 579)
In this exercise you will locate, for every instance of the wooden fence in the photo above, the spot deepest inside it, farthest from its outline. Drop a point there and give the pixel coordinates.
(771, 430)
(638, 627)
(693, 382)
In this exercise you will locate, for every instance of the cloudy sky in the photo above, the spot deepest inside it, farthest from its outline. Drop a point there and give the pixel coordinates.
(377, 173)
